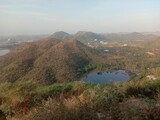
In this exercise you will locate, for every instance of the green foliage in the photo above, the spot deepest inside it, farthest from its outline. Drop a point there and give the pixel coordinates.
(87, 101)
(142, 88)
(68, 87)
(54, 89)
(86, 69)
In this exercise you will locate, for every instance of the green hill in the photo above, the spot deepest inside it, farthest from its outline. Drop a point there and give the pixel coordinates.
(47, 61)
(61, 35)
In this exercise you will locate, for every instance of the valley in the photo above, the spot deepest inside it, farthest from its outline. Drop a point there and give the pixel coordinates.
(48, 72)
(79, 59)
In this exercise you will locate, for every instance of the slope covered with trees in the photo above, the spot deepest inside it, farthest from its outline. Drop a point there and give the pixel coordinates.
(47, 61)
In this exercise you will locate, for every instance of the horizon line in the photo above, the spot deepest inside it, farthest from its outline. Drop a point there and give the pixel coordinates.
(71, 33)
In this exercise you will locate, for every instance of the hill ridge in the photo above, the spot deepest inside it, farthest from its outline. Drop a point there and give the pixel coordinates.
(46, 61)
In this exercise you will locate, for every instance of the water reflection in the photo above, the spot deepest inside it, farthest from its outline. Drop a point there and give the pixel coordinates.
(104, 77)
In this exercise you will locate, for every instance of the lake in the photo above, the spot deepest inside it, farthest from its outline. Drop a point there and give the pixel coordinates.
(106, 77)
(4, 51)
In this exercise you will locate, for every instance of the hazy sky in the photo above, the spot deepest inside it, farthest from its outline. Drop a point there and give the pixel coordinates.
(48, 16)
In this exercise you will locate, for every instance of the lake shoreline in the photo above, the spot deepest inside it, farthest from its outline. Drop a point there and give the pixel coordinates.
(106, 76)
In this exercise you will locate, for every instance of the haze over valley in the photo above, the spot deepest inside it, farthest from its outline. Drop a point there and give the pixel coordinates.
(79, 60)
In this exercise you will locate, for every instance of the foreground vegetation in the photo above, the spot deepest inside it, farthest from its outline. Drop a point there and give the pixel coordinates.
(132, 100)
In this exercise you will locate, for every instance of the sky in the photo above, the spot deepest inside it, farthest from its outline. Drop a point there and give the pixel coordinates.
(103, 16)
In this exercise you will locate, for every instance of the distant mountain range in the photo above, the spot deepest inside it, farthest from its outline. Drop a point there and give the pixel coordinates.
(86, 37)
(82, 36)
